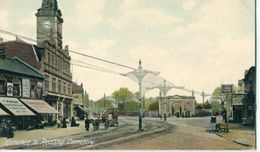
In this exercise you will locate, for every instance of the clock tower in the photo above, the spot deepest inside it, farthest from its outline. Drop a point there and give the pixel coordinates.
(49, 23)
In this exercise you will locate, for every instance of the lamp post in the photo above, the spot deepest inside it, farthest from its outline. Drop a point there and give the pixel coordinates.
(139, 74)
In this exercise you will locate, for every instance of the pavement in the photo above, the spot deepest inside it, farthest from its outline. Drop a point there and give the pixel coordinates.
(241, 135)
(46, 133)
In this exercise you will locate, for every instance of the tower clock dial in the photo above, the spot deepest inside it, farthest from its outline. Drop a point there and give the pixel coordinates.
(47, 25)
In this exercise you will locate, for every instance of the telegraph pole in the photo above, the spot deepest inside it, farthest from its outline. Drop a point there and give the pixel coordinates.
(104, 101)
(202, 103)
(140, 78)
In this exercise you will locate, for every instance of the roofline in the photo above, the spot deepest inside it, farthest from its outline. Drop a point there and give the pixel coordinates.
(10, 41)
(35, 54)
(32, 68)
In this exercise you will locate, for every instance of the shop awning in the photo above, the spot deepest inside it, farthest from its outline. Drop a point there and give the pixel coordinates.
(15, 107)
(3, 113)
(83, 110)
(39, 106)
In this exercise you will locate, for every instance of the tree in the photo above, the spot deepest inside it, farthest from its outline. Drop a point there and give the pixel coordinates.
(154, 106)
(215, 106)
(217, 93)
(198, 106)
(207, 105)
(131, 106)
(122, 96)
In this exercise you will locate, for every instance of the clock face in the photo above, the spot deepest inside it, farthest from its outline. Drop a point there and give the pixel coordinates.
(47, 24)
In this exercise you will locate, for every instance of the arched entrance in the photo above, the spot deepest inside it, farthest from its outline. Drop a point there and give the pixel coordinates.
(176, 109)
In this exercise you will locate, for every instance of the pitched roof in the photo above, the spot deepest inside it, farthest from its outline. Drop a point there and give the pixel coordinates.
(29, 53)
(15, 65)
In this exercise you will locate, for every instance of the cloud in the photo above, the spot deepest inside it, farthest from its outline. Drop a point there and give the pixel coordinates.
(87, 13)
(4, 18)
(132, 14)
(188, 4)
(100, 47)
(28, 22)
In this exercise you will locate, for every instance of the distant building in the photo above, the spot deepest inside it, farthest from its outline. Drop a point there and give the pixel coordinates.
(249, 100)
(178, 105)
(237, 102)
(80, 101)
(244, 100)
(49, 57)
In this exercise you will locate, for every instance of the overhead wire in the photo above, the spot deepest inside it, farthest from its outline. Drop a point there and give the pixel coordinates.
(75, 52)
(73, 60)
(94, 67)
(88, 67)
(107, 61)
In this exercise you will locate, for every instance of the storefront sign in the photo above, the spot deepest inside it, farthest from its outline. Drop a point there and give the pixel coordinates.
(226, 88)
(237, 100)
(15, 106)
(10, 89)
(26, 88)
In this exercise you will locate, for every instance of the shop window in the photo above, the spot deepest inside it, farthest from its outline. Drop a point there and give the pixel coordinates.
(33, 89)
(46, 83)
(59, 87)
(69, 90)
(53, 84)
(16, 90)
(2, 87)
(64, 88)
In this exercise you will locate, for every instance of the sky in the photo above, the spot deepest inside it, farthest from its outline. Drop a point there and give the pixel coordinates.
(198, 44)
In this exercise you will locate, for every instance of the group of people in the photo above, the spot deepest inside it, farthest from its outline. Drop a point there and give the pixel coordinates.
(164, 117)
(73, 122)
(6, 129)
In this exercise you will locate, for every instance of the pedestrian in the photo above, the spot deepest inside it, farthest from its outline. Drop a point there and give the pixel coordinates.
(164, 116)
(64, 123)
(73, 122)
(224, 115)
(87, 122)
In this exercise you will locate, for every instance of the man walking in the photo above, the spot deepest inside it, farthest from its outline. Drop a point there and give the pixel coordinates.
(87, 122)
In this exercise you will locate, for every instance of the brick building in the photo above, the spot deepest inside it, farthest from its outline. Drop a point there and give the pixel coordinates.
(49, 57)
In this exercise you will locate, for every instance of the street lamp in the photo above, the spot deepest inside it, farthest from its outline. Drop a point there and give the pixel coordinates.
(139, 74)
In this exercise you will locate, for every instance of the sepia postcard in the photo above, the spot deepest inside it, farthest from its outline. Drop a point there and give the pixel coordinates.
(128, 75)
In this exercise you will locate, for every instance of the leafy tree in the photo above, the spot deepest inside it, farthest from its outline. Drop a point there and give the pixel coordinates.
(102, 104)
(217, 93)
(154, 106)
(137, 95)
(122, 95)
(131, 106)
(207, 105)
(198, 106)
(215, 106)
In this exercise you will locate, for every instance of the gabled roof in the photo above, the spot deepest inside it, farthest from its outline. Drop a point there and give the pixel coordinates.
(29, 53)
(16, 66)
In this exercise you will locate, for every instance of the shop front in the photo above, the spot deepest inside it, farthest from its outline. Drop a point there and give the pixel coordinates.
(237, 107)
(44, 112)
(20, 116)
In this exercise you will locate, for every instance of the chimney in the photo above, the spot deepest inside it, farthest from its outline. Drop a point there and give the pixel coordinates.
(2, 49)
